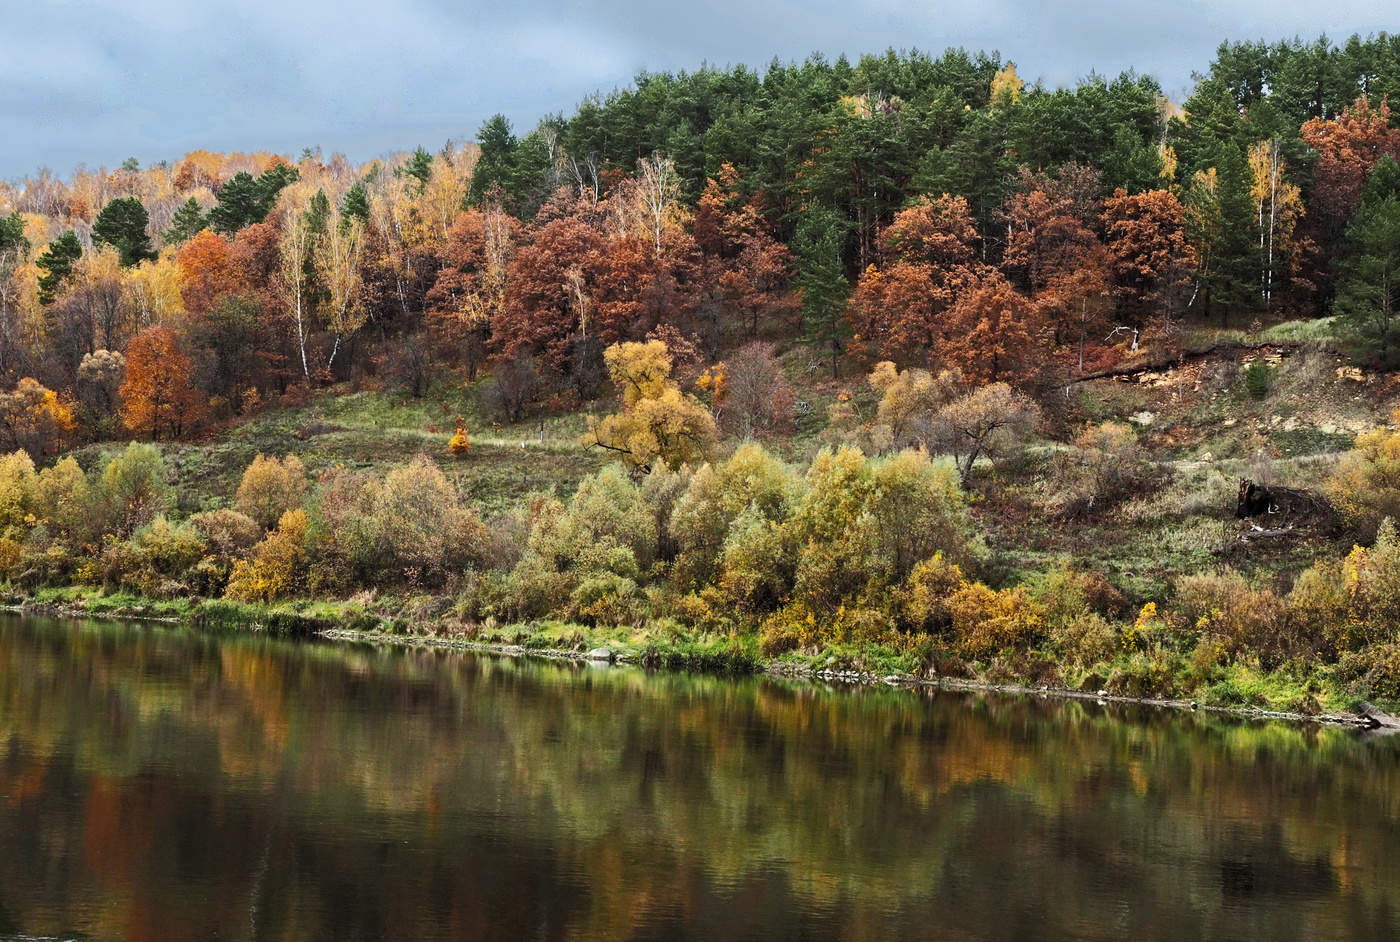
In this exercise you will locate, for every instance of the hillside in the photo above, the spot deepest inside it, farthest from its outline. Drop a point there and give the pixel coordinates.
(900, 361)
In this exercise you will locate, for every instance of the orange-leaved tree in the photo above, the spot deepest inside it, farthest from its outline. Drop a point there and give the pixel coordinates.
(158, 396)
(900, 307)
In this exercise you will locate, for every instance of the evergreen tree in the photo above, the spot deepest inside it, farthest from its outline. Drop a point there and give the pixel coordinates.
(187, 223)
(419, 166)
(532, 177)
(12, 240)
(355, 205)
(1233, 289)
(1221, 222)
(1383, 183)
(1368, 299)
(57, 264)
(318, 213)
(270, 184)
(122, 225)
(246, 199)
(239, 202)
(821, 236)
(495, 169)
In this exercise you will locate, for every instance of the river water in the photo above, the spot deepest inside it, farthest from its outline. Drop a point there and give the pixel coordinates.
(167, 785)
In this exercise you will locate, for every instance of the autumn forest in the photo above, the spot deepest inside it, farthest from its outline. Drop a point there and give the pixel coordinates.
(899, 360)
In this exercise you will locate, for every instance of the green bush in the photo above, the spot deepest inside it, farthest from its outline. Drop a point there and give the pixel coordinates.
(1258, 379)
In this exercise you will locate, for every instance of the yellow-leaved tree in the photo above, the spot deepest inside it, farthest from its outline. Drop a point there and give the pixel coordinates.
(657, 420)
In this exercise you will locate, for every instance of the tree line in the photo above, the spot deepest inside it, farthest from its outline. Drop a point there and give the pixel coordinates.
(937, 212)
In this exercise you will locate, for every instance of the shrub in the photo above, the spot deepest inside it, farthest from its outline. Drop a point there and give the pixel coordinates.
(1084, 639)
(460, 443)
(991, 421)
(924, 599)
(276, 566)
(605, 514)
(985, 622)
(270, 488)
(1156, 673)
(1105, 465)
(751, 394)
(1365, 487)
(1373, 671)
(11, 557)
(63, 498)
(166, 548)
(422, 523)
(18, 492)
(1066, 593)
(1346, 606)
(756, 568)
(910, 400)
(132, 490)
(1258, 378)
(1224, 609)
(226, 532)
(606, 598)
(714, 496)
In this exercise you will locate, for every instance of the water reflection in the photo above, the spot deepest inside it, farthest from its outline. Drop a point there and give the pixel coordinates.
(158, 784)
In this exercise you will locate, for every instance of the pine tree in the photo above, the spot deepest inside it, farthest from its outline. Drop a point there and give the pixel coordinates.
(355, 205)
(419, 166)
(495, 170)
(821, 235)
(1235, 273)
(12, 240)
(57, 264)
(239, 200)
(122, 225)
(318, 214)
(187, 223)
(245, 199)
(1368, 299)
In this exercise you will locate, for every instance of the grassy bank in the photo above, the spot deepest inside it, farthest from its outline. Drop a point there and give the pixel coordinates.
(1163, 681)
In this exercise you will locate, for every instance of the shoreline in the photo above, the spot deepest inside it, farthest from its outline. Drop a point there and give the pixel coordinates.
(791, 671)
(772, 667)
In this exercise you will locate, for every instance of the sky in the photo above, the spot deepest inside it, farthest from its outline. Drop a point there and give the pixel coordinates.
(96, 81)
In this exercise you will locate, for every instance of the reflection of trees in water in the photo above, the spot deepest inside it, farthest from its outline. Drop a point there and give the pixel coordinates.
(185, 785)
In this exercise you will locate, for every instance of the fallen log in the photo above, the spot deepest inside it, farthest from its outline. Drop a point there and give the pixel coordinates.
(1376, 718)
(1181, 357)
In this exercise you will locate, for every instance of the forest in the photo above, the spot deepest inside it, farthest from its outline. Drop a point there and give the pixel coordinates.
(900, 361)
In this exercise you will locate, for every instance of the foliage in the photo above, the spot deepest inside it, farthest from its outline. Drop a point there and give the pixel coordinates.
(460, 443)
(276, 565)
(1105, 464)
(269, 488)
(122, 225)
(989, 421)
(34, 419)
(1365, 485)
(157, 395)
(657, 421)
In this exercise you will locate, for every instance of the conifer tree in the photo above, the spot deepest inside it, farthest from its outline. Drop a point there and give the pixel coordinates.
(57, 264)
(821, 234)
(187, 223)
(122, 225)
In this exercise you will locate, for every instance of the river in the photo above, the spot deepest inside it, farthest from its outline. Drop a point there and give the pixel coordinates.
(165, 784)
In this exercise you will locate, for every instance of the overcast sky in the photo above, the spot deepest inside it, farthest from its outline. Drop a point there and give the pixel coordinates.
(96, 81)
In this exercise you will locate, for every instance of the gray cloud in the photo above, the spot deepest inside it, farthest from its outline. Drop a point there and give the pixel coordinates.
(98, 81)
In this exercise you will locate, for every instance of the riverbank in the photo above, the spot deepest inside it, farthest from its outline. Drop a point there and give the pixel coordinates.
(811, 672)
(690, 651)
